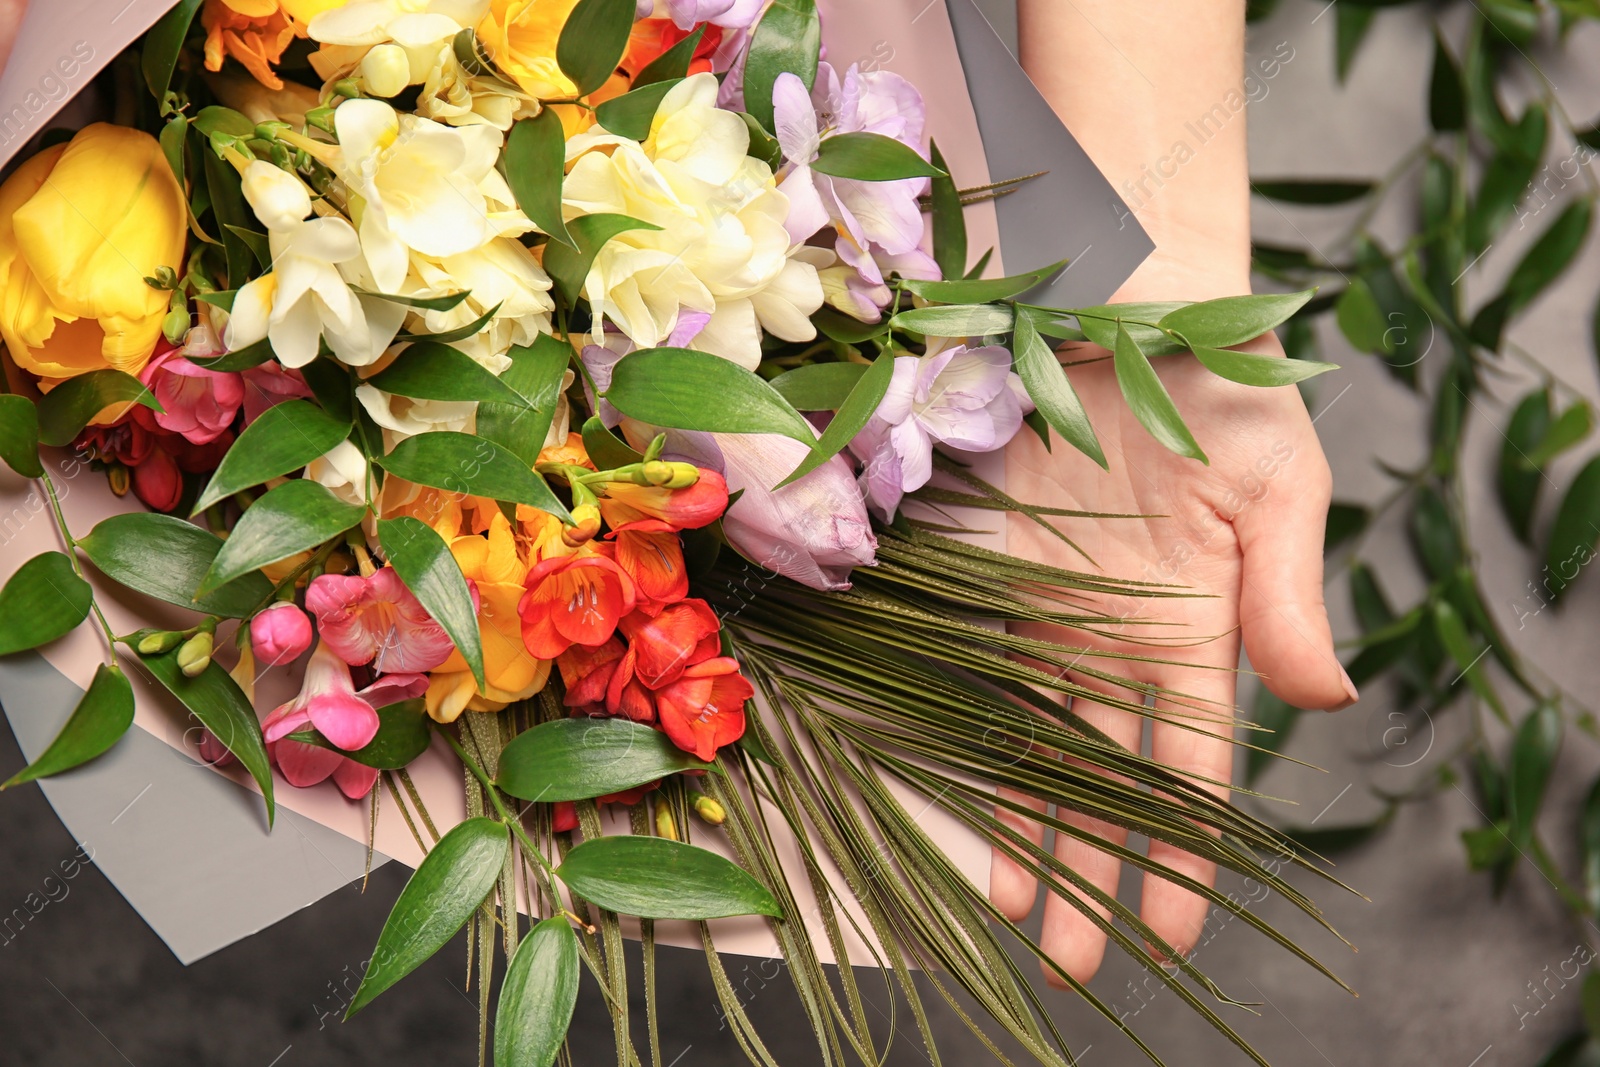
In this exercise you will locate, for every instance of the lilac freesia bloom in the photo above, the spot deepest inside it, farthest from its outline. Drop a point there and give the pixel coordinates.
(879, 224)
(966, 398)
(687, 14)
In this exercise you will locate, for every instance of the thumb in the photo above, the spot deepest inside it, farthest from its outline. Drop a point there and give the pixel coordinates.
(1281, 609)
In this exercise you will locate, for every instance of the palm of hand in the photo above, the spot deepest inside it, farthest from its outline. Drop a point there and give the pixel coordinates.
(1247, 532)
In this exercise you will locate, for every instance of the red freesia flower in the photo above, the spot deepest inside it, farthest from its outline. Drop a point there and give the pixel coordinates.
(652, 38)
(701, 504)
(573, 600)
(625, 695)
(653, 557)
(704, 709)
(586, 672)
(680, 635)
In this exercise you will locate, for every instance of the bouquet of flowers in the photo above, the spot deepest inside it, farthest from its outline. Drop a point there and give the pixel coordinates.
(588, 384)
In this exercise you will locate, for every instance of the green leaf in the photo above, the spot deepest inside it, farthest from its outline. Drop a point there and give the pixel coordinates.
(1345, 521)
(1233, 320)
(1052, 393)
(252, 355)
(166, 558)
(224, 120)
(1447, 96)
(949, 220)
(535, 162)
(819, 386)
(1576, 529)
(98, 722)
(476, 466)
(460, 333)
(981, 291)
(284, 439)
(427, 567)
(173, 136)
(1573, 425)
(43, 600)
(537, 997)
(847, 329)
(870, 157)
(217, 701)
(580, 759)
(1372, 608)
(19, 435)
(1149, 400)
(852, 416)
(763, 145)
(587, 234)
(1589, 846)
(1515, 20)
(654, 878)
(1517, 478)
(1360, 318)
(1247, 368)
(604, 447)
(404, 734)
(1433, 531)
(428, 370)
(1590, 996)
(1465, 649)
(670, 387)
(956, 320)
(65, 410)
(1099, 325)
(228, 206)
(448, 302)
(1505, 180)
(1350, 30)
(593, 40)
(633, 113)
(163, 43)
(1555, 250)
(294, 517)
(536, 375)
(1533, 754)
(1488, 846)
(672, 64)
(443, 893)
(1321, 193)
(787, 39)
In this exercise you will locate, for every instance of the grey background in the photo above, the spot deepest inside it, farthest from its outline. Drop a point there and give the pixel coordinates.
(1444, 971)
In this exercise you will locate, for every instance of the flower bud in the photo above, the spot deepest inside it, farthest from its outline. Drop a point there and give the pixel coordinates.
(280, 634)
(348, 88)
(154, 644)
(195, 655)
(117, 475)
(385, 70)
(585, 525)
(176, 325)
(665, 827)
(708, 808)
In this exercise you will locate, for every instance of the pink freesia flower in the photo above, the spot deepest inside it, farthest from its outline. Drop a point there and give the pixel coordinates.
(966, 398)
(268, 385)
(197, 403)
(378, 620)
(280, 634)
(879, 224)
(348, 719)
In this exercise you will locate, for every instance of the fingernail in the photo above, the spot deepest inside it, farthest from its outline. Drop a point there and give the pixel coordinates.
(1350, 691)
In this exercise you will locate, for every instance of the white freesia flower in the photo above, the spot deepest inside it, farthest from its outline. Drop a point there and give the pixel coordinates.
(402, 417)
(501, 274)
(419, 185)
(452, 95)
(304, 298)
(722, 249)
(343, 471)
(416, 29)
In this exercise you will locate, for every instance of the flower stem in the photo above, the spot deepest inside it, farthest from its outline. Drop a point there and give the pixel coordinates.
(77, 565)
(499, 805)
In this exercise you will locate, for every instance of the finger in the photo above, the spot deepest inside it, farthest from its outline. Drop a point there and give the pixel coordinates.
(1012, 887)
(1196, 744)
(1281, 609)
(1069, 937)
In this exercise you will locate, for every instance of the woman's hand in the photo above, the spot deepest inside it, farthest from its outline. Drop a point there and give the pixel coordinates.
(1245, 531)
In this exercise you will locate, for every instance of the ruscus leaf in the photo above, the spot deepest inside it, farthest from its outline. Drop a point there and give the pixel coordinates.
(43, 600)
(281, 441)
(580, 759)
(294, 517)
(654, 878)
(670, 386)
(102, 716)
(537, 997)
(1150, 401)
(166, 558)
(427, 567)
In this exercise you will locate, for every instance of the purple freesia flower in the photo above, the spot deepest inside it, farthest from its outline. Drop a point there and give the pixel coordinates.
(966, 398)
(687, 14)
(879, 224)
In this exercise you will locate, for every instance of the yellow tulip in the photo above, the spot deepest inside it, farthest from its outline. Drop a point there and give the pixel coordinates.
(511, 673)
(81, 226)
(520, 36)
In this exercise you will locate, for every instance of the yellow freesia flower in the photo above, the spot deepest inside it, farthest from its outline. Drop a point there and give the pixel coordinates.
(510, 672)
(520, 36)
(81, 227)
